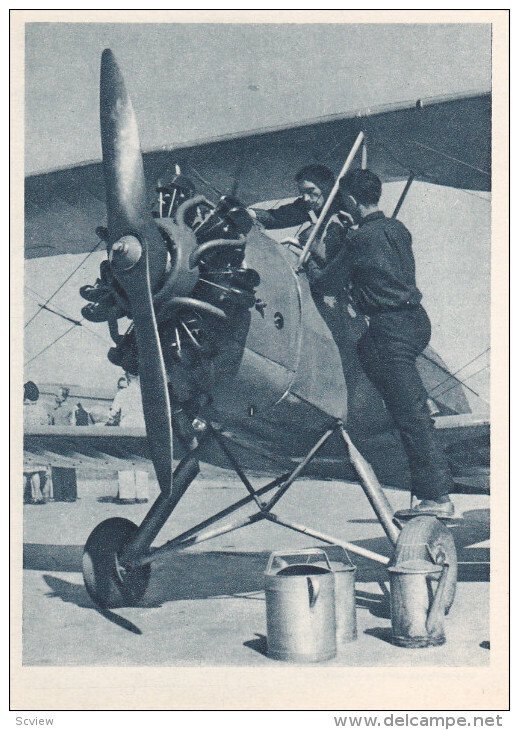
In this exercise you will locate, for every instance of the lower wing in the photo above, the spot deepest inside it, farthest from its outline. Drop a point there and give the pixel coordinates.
(465, 437)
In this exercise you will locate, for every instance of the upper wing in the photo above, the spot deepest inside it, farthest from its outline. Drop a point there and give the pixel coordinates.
(443, 141)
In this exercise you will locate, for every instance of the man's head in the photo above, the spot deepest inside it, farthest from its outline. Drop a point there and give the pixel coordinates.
(31, 392)
(315, 183)
(63, 394)
(363, 187)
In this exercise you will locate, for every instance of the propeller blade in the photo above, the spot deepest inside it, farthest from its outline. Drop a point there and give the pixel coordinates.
(126, 202)
(137, 254)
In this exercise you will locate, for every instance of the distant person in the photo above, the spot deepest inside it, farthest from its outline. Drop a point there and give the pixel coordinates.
(127, 412)
(114, 417)
(35, 478)
(63, 413)
(315, 183)
(34, 412)
(82, 417)
(378, 261)
(127, 404)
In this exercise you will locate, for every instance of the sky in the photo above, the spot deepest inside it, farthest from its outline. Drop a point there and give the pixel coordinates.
(191, 82)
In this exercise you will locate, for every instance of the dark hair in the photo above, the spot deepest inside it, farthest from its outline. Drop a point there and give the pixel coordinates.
(31, 391)
(321, 175)
(363, 185)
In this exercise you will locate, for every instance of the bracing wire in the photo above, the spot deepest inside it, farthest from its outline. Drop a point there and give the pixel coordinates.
(60, 287)
(447, 372)
(47, 347)
(422, 173)
(446, 380)
(464, 383)
(63, 314)
(208, 184)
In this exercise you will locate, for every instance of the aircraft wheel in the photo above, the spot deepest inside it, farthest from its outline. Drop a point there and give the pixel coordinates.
(109, 584)
(421, 533)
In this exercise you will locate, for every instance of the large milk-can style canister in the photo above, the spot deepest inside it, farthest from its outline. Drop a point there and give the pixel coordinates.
(345, 608)
(300, 604)
(418, 616)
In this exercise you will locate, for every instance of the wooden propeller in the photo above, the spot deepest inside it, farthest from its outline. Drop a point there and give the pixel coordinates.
(137, 254)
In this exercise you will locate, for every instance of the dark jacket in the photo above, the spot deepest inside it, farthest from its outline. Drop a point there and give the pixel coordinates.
(297, 214)
(284, 216)
(293, 214)
(377, 262)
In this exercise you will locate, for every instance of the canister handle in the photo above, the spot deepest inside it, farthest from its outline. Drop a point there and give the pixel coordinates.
(305, 551)
(348, 558)
(437, 610)
(314, 588)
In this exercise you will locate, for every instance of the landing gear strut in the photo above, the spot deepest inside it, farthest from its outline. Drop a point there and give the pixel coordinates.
(118, 555)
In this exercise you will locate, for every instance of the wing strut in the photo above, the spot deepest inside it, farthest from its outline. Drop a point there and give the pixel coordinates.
(347, 164)
(403, 195)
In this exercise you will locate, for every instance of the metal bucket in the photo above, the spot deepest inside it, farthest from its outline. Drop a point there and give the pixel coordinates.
(417, 618)
(300, 604)
(345, 607)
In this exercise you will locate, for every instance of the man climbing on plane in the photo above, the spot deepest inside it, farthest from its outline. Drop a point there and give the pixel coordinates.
(376, 261)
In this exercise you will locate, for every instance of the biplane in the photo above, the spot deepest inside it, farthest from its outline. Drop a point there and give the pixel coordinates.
(239, 364)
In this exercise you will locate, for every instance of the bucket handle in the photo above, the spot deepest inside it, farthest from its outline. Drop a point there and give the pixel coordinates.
(314, 588)
(305, 551)
(437, 610)
(350, 562)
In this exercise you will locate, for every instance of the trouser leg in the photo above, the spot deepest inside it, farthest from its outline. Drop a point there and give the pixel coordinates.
(36, 487)
(388, 355)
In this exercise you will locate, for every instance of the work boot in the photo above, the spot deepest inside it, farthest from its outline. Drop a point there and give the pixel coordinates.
(443, 507)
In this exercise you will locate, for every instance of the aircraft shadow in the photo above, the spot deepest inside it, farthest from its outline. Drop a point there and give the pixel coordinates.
(376, 603)
(198, 575)
(381, 632)
(77, 594)
(259, 644)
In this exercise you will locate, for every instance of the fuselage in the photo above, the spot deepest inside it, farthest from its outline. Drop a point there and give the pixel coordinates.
(286, 368)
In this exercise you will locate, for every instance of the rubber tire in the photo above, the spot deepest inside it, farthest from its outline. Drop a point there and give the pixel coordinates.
(107, 585)
(427, 531)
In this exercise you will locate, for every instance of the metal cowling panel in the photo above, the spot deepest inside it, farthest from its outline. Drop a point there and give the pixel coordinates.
(319, 379)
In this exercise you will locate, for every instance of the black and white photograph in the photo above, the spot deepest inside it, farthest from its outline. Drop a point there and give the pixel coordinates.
(255, 343)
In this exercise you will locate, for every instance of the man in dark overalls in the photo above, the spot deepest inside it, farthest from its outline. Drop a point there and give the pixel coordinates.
(378, 261)
(314, 183)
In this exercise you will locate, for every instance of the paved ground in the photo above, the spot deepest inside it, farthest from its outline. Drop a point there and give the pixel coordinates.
(205, 606)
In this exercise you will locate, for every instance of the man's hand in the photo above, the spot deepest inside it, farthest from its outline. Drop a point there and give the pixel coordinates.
(311, 268)
(292, 241)
(345, 219)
